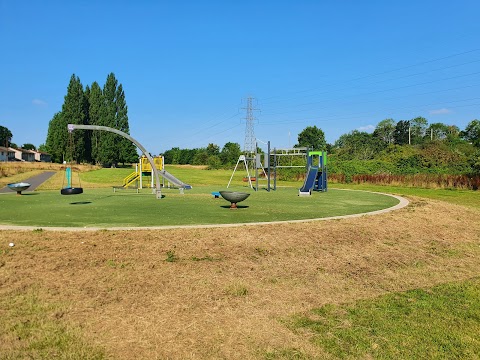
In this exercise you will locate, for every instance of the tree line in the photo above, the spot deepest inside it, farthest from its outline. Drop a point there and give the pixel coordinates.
(394, 147)
(408, 147)
(211, 155)
(91, 106)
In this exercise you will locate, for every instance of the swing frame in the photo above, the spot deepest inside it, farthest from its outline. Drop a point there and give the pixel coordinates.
(70, 190)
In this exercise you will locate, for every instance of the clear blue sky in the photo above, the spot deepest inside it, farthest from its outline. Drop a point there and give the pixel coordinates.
(186, 65)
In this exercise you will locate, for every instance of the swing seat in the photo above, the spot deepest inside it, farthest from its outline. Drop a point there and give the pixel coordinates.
(71, 191)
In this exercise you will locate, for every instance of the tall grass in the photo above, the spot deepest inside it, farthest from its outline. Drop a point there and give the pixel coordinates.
(15, 167)
(440, 181)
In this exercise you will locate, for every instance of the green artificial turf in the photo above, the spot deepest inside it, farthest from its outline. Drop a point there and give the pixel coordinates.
(103, 208)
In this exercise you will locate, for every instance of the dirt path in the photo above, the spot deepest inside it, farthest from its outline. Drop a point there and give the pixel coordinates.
(34, 181)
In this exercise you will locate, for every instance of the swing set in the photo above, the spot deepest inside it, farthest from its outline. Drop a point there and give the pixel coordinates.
(69, 189)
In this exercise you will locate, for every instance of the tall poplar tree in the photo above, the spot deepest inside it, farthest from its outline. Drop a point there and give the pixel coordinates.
(96, 112)
(107, 151)
(57, 138)
(73, 112)
(127, 150)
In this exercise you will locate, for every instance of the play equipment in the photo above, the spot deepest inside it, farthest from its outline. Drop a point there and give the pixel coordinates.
(174, 181)
(234, 197)
(255, 161)
(264, 166)
(316, 176)
(169, 177)
(18, 187)
(142, 169)
(70, 189)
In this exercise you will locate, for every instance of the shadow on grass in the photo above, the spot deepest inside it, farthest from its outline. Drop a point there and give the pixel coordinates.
(29, 194)
(238, 207)
(80, 203)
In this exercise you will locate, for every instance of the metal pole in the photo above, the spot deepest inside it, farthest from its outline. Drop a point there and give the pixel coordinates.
(275, 169)
(72, 127)
(256, 167)
(268, 166)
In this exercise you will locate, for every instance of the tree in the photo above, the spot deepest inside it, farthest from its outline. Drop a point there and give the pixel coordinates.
(472, 132)
(73, 112)
(312, 137)
(29, 146)
(230, 153)
(440, 131)
(95, 114)
(359, 145)
(127, 151)
(201, 157)
(418, 127)
(453, 133)
(400, 135)
(171, 155)
(385, 130)
(57, 138)
(213, 149)
(113, 148)
(107, 152)
(5, 136)
(42, 148)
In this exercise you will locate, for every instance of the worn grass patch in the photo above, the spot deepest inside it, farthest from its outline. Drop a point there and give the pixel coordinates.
(31, 328)
(437, 323)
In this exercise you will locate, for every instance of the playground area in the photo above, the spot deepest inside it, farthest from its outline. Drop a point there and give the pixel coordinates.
(120, 198)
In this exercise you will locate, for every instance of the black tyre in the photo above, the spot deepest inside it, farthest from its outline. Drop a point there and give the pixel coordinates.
(71, 191)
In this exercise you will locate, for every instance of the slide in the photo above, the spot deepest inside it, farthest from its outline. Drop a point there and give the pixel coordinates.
(309, 181)
(173, 180)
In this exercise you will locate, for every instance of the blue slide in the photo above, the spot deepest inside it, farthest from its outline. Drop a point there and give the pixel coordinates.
(309, 181)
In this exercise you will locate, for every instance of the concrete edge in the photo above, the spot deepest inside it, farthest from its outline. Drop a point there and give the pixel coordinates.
(402, 203)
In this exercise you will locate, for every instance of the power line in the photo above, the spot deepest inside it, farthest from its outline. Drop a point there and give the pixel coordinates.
(376, 74)
(375, 92)
(353, 115)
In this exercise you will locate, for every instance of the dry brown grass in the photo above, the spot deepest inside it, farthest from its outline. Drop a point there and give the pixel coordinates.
(227, 289)
(18, 171)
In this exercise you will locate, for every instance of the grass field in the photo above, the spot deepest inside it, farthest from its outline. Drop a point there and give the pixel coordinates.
(403, 284)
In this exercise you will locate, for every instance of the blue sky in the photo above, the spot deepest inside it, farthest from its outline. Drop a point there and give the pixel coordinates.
(187, 66)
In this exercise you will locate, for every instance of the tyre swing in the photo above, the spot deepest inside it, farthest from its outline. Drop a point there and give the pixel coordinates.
(69, 189)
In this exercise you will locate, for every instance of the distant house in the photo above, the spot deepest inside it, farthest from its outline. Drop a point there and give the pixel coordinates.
(42, 156)
(18, 155)
(11, 154)
(28, 155)
(6, 154)
(23, 155)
